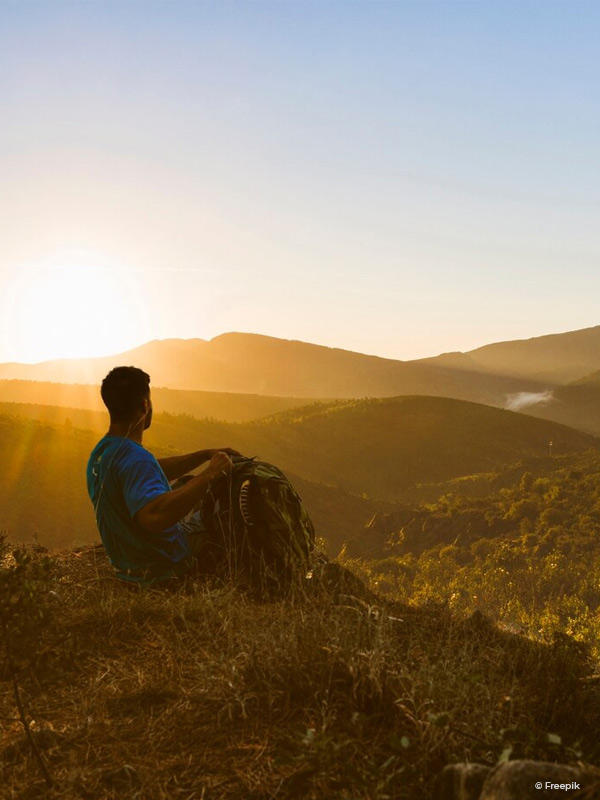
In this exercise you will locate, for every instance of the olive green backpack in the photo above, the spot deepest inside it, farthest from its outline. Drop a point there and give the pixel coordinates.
(265, 531)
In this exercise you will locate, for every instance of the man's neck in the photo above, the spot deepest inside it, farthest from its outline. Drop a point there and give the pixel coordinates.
(125, 430)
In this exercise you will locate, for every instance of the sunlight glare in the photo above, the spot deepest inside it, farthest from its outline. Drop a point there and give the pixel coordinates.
(72, 306)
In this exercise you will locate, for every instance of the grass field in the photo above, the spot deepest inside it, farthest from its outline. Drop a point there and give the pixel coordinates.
(204, 693)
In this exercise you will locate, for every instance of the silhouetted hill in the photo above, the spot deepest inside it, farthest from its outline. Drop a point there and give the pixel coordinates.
(250, 363)
(576, 404)
(555, 359)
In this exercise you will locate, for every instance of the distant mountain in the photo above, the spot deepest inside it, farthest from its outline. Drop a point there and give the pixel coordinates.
(254, 364)
(577, 404)
(554, 359)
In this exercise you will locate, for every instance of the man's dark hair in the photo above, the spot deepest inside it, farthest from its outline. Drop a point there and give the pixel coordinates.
(123, 391)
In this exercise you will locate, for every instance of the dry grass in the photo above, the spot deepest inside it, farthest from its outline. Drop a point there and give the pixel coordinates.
(204, 693)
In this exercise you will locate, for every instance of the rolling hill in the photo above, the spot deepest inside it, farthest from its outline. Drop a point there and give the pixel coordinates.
(349, 459)
(382, 447)
(43, 494)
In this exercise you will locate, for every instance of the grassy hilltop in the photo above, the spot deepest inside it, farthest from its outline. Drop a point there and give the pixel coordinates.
(206, 694)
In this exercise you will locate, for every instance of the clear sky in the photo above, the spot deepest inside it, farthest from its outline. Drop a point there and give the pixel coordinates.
(396, 178)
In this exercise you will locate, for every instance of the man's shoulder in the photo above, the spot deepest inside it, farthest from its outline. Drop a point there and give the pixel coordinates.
(121, 452)
(131, 453)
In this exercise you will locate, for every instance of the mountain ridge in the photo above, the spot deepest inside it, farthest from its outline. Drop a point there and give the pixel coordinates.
(256, 364)
(549, 357)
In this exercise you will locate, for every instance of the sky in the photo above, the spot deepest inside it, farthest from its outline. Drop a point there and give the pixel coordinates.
(396, 178)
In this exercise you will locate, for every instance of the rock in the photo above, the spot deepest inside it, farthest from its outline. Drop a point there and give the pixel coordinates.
(124, 777)
(44, 739)
(339, 584)
(517, 780)
(532, 780)
(461, 782)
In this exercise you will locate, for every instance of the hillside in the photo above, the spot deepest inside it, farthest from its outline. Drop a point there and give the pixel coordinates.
(202, 693)
(522, 545)
(376, 449)
(384, 446)
(42, 491)
(250, 363)
(43, 494)
(542, 494)
(577, 404)
(380, 447)
(226, 406)
(553, 359)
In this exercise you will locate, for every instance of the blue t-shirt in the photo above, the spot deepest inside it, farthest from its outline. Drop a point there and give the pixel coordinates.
(122, 478)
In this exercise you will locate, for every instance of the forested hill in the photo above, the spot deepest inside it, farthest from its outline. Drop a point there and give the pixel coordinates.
(522, 545)
(376, 450)
(383, 446)
(543, 504)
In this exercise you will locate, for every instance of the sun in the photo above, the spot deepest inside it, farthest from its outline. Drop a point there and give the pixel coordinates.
(74, 305)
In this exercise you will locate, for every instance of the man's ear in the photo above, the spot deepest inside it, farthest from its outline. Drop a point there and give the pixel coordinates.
(144, 408)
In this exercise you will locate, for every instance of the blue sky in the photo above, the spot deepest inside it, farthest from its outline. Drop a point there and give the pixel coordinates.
(398, 178)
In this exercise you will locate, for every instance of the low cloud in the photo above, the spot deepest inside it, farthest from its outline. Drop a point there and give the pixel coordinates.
(521, 400)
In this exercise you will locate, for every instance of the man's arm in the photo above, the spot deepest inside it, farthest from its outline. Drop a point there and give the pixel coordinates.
(176, 466)
(168, 508)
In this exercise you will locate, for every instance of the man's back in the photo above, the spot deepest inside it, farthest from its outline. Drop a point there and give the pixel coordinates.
(122, 478)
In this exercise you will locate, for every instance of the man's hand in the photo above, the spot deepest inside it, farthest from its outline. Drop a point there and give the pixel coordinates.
(170, 507)
(176, 466)
(229, 450)
(220, 464)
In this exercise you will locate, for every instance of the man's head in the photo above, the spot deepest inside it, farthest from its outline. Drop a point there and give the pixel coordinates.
(126, 394)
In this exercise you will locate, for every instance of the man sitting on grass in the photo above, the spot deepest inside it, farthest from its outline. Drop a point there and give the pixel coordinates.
(139, 516)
